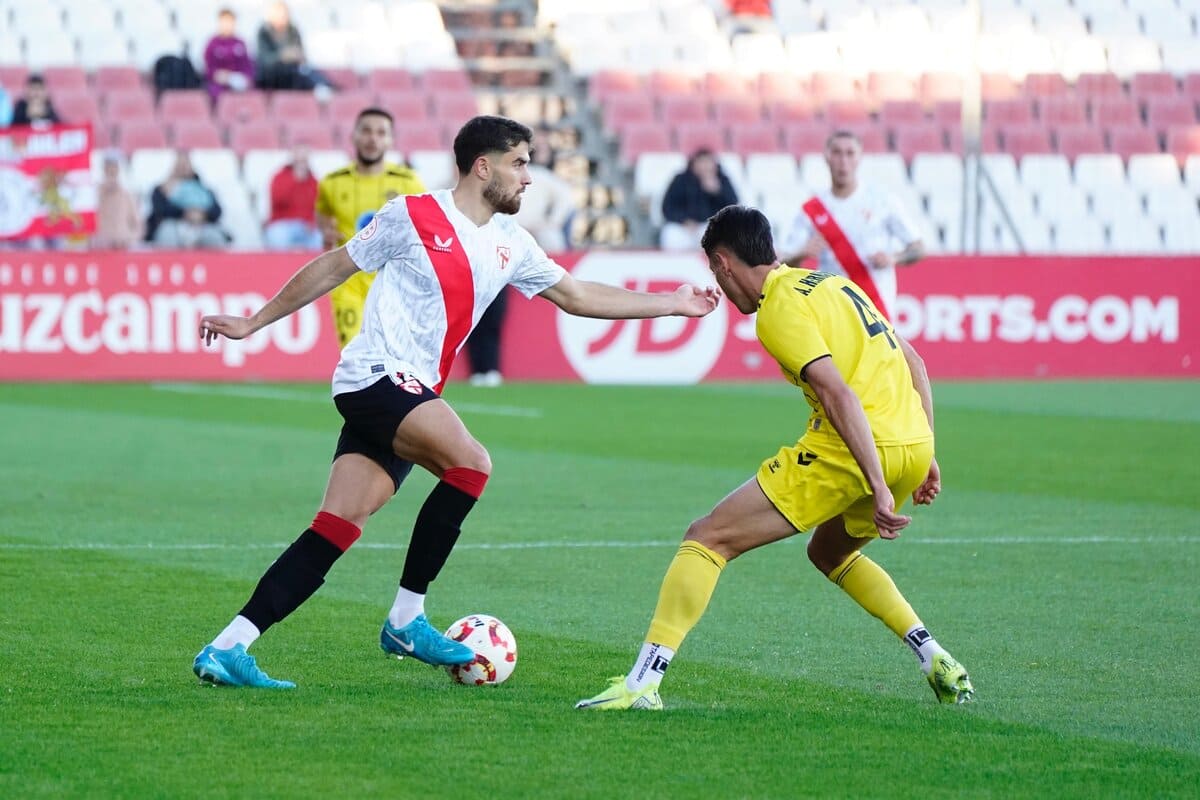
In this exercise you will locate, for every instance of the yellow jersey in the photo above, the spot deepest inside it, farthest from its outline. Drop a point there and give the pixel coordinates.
(346, 194)
(804, 315)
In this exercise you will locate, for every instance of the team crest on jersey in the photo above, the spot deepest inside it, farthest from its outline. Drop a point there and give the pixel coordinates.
(369, 231)
(502, 256)
(408, 383)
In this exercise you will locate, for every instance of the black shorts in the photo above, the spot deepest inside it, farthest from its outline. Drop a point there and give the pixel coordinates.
(372, 416)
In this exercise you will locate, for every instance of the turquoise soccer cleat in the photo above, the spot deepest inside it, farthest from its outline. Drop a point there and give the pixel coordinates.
(618, 698)
(950, 680)
(234, 667)
(419, 640)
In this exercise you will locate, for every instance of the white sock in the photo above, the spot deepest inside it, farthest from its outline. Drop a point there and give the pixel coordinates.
(408, 606)
(650, 666)
(241, 631)
(924, 645)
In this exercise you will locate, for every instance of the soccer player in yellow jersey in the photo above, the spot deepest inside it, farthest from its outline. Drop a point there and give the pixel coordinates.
(344, 195)
(868, 442)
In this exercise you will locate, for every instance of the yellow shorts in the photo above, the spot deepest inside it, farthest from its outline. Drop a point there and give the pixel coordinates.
(817, 479)
(348, 301)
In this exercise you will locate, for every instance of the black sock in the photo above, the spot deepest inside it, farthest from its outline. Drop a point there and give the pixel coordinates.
(434, 534)
(291, 580)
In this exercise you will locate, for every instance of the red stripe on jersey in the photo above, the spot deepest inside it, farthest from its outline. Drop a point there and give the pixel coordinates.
(845, 253)
(453, 270)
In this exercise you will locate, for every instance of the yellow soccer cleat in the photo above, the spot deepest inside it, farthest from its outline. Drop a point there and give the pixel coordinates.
(618, 698)
(950, 680)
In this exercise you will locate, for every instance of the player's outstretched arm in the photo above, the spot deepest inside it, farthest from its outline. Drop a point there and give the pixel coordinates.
(850, 421)
(599, 300)
(325, 272)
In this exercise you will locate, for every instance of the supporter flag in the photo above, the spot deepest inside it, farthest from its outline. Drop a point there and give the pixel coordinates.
(46, 186)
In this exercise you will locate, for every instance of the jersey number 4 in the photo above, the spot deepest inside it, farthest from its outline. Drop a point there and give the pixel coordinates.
(870, 319)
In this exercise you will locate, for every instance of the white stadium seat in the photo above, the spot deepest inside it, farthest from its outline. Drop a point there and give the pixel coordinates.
(1098, 171)
(1152, 171)
(1130, 235)
(1117, 203)
(436, 168)
(651, 174)
(1046, 173)
(1062, 204)
(1078, 236)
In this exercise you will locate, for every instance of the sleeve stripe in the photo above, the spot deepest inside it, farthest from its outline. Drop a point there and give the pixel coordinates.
(813, 361)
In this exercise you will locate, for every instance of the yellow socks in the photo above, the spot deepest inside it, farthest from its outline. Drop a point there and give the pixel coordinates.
(685, 593)
(873, 589)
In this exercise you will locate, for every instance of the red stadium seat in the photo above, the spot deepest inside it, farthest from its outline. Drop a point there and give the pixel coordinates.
(1191, 86)
(1183, 141)
(797, 109)
(690, 137)
(316, 134)
(749, 139)
(1108, 111)
(675, 110)
(12, 78)
(454, 108)
(258, 134)
(1090, 85)
(954, 138)
(620, 110)
(102, 135)
(889, 86)
(1046, 84)
(901, 112)
(247, 106)
(744, 111)
(124, 104)
(938, 86)
(1062, 110)
(344, 106)
(926, 137)
(1017, 111)
(1165, 111)
(1023, 140)
(446, 80)
(989, 138)
(418, 136)
(1076, 140)
(76, 105)
(190, 134)
(830, 86)
(106, 79)
(728, 86)
(344, 79)
(62, 78)
(780, 86)
(998, 86)
(649, 137)
(387, 79)
(184, 104)
(1144, 85)
(1130, 139)
(407, 107)
(846, 113)
(608, 82)
(139, 134)
(948, 112)
(803, 138)
(872, 136)
(286, 106)
(666, 82)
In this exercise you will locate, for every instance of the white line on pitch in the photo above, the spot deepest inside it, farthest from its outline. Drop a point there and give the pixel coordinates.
(273, 393)
(567, 545)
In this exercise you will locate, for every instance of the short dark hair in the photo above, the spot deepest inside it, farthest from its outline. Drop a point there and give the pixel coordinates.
(744, 230)
(226, 12)
(843, 133)
(35, 78)
(374, 111)
(487, 134)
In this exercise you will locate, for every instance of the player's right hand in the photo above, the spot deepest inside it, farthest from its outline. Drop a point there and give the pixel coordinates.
(929, 489)
(225, 325)
(887, 521)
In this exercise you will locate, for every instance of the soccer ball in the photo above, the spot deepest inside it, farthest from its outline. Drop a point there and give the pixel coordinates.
(494, 646)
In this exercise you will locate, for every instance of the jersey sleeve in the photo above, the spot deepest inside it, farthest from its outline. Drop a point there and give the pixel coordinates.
(388, 236)
(796, 236)
(899, 223)
(788, 330)
(535, 272)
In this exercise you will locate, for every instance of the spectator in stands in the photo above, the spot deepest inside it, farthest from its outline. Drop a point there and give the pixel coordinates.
(281, 61)
(293, 219)
(749, 16)
(35, 107)
(692, 197)
(183, 212)
(118, 225)
(549, 202)
(6, 108)
(851, 229)
(227, 63)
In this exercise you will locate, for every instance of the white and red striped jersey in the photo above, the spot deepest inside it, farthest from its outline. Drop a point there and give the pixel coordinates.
(437, 272)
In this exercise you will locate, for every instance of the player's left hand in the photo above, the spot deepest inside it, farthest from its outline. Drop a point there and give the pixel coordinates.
(881, 260)
(694, 301)
(929, 489)
(225, 325)
(887, 521)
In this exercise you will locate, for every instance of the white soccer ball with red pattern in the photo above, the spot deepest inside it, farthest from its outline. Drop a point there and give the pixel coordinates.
(494, 646)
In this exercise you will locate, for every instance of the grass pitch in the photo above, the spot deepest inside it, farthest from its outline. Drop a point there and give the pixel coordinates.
(1059, 565)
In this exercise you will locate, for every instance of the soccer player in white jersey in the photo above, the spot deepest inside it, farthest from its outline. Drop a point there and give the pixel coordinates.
(439, 259)
(850, 229)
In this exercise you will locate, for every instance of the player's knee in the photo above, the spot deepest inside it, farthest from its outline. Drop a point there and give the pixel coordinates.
(476, 457)
(707, 532)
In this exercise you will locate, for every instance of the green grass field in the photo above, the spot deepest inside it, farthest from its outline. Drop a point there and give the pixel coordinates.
(1059, 565)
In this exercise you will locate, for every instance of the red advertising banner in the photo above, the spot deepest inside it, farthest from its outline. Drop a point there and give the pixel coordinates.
(46, 185)
(110, 316)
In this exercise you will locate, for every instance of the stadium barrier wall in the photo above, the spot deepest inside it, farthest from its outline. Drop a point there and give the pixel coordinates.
(134, 316)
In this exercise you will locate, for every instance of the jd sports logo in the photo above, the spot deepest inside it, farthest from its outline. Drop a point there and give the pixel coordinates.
(442, 245)
(804, 459)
